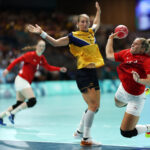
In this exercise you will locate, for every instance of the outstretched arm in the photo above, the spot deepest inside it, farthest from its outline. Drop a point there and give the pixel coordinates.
(5, 72)
(96, 23)
(52, 68)
(12, 64)
(54, 42)
(109, 47)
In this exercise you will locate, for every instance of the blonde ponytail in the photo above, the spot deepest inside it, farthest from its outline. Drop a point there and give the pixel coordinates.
(29, 48)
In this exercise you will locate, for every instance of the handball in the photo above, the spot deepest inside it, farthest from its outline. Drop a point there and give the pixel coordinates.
(122, 31)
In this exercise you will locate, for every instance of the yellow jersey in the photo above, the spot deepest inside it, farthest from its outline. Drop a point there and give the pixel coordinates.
(83, 46)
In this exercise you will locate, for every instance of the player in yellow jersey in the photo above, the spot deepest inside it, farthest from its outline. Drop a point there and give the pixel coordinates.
(83, 46)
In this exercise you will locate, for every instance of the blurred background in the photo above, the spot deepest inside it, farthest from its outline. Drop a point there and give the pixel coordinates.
(58, 18)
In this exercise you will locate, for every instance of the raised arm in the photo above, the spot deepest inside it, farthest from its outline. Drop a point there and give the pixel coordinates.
(64, 41)
(109, 47)
(96, 23)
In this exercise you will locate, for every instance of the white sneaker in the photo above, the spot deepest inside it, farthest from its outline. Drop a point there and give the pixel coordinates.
(148, 127)
(89, 142)
(8, 113)
(78, 135)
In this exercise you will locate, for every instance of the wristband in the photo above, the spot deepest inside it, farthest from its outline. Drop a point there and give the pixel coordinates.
(43, 35)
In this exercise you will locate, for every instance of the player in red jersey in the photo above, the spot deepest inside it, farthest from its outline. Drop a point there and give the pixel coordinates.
(134, 74)
(23, 81)
(148, 89)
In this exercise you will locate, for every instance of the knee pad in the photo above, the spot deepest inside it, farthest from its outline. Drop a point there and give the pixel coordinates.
(17, 104)
(31, 102)
(130, 133)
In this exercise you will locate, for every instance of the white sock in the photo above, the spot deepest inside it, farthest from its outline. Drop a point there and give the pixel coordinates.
(141, 129)
(5, 113)
(19, 108)
(88, 120)
(81, 125)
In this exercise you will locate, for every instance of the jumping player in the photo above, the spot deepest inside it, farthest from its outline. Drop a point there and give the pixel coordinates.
(134, 74)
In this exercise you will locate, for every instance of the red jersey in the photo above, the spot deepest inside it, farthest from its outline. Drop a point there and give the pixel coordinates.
(31, 63)
(132, 62)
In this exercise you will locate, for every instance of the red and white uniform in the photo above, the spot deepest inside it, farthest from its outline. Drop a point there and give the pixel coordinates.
(132, 62)
(31, 63)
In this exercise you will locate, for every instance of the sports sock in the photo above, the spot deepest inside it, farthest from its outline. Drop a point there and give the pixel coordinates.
(141, 129)
(19, 108)
(5, 113)
(81, 125)
(88, 120)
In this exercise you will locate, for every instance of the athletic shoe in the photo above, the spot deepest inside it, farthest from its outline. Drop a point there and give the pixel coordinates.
(78, 135)
(148, 127)
(11, 118)
(2, 123)
(147, 134)
(89, 142)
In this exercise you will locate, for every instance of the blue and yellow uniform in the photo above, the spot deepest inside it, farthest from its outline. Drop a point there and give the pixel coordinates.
(83, 46)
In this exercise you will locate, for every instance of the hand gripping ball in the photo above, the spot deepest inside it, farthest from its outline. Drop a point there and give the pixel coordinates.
(122, 31)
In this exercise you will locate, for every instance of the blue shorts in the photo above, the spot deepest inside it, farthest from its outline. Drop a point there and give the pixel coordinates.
(87, 78)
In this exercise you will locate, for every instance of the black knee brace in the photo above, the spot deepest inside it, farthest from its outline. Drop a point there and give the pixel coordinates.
(17, 104)
(95, 111)
(86, 110)
(130, 133)
(31, 102)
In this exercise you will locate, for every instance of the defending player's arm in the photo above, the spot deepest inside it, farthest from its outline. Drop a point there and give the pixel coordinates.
(52, 68)
(96, 22)
(64, 41)
(109, 47)
(12, 64)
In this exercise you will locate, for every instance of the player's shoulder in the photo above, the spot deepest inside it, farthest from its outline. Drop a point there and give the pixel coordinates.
(91, 30)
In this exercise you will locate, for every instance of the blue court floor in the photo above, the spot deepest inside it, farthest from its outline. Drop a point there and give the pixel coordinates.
(52, 122)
